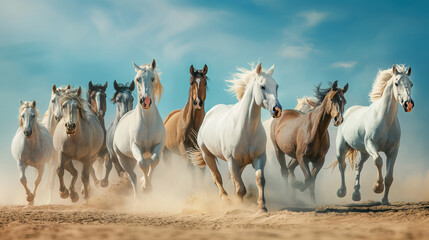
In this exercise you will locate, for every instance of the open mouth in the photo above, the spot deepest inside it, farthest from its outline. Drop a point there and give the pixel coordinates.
(70, 131)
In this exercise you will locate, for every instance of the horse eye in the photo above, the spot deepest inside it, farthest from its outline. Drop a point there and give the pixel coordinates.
(396, 84)
(263, 87)
(153, 79)
(412, 85)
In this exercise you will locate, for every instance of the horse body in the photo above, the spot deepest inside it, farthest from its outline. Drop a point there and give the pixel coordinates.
(78, 136)
(375, 128)
(235, 133)
(305, 137)
(140, 134)
(32, 146)
(183, 125)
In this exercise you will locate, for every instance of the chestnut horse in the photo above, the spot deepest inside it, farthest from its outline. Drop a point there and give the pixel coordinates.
(182, 125)
(305, 138)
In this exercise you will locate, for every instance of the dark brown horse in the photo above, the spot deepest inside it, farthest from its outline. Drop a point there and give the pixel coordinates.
(182, 125)
(96, 97)
(305, 137)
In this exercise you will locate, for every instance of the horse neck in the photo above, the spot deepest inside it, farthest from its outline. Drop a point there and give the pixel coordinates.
(388, 105)
(191, 116)
(34, 139)
(118, 115)
(250, 112)
(49, 120)
(101, 120)
(321, 119)
(147, 114)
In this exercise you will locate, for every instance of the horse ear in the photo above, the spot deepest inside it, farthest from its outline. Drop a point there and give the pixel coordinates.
(271, 70)
(105, 86)
(394, 70)
(334, 85)
(346, 87)
(115, 85)
(153, 64)
(311, 103)
(68, 86)
(192, 70)
(34, 103)
(205, 69)
(259, 68)
(136, 67)
(79, 91)
(408, 71)
(54, 88)
(132, 86)
(90, 85)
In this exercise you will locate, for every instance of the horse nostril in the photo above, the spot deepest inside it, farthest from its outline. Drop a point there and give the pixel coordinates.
(201, 103)
(195, 102)
(335, 118)
(67, 125)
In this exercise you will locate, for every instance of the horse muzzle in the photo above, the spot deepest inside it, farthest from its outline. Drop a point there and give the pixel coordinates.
(145, 102)
(408, 105)
(27, 133)
(100, 113)
(338, 120)
(277, 112)
(198, 104)
(70, 128)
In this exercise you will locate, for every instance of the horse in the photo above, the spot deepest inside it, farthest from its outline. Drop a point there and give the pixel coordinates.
(32, 146)
(140, 134)
(123, 99)
(182, 125)
(305, 137)
(53, 115)
(234, 133)
(96, 97)
(78, 136)
(375, 128)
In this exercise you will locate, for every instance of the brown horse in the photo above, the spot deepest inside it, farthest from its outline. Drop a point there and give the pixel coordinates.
(305, 138)
(96, 97)
(182, 125)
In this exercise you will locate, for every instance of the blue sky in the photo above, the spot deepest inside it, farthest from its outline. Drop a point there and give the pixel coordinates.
(73, 42)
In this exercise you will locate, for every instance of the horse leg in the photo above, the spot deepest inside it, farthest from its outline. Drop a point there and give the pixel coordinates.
(280, 155)
(108, 165)
(94, 176)
(259, 165)
(70, 168)
(235, 171)
(127, 164)
(144, 165)
(154, 159)
(315, 168)
(307, 175)
(63, 159)
(390, 163)
(52, 167)
(291, 169)
(86, 170)
(341, 148)
(22, 166)
(372, 150)
(359, 165)
(39, 174)
(210, 160)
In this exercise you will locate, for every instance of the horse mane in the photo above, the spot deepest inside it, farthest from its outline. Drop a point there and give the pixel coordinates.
(122, 88)
(241, 80)
(25, 105)
(84, 109)
(381, 80)
(320, 93)
(303, 101)
(158, 88)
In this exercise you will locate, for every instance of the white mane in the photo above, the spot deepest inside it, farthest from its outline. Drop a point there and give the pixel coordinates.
(241, 80)
(380, 82)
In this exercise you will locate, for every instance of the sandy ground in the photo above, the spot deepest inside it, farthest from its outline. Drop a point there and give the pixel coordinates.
(363, 221)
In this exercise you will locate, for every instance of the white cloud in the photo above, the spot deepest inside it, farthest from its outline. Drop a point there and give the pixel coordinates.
(288, 51)
(313, 18)
(350, 64)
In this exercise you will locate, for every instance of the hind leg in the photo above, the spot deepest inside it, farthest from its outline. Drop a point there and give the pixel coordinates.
(390, 163)
(259, 165)
(210, 160)
(359, 165)
(341, 148)
(282, 161)
(291, 169)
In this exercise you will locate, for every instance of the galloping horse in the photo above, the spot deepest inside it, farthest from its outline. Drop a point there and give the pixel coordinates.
(96, 97)
(32, 146)
(305, 137)
(373, 129)
(182, 125)
(53, 115)
(123, 98)
(140, 134)
(78, 136)
(235, 134)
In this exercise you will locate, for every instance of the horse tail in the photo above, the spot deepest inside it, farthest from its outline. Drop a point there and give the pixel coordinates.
(350, 156)
(194, 153)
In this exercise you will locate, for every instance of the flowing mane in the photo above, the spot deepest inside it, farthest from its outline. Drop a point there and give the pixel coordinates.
(84, 109)
(25, 105)
(158, 89)
(380, 82)
(320, 93)
(241, 80)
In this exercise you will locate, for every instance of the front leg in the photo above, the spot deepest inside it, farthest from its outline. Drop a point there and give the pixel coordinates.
(372, 150)
(154, 160)
(63, 160)
(390, 163)
(21, 167)
(259, 165)
(40, 170)
(143, 164)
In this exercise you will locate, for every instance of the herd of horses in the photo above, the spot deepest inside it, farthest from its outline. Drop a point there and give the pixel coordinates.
(74, 129)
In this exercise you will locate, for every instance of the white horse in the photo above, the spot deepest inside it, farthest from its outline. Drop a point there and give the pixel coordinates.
(375, 129)
(31, 146)
(123, 98)
(140, 134)
(78, 136)
(234, 133)
(53, 115)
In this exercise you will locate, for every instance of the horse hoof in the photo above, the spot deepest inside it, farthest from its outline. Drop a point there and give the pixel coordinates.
(31, 203)
(356, 196)
(104, 183)
(298, 185)
(64, 194)
(385, 201)
(341, 192)
(74, 196)
(30, 197)
(97, 183)
(262, 210)
(378, 188)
